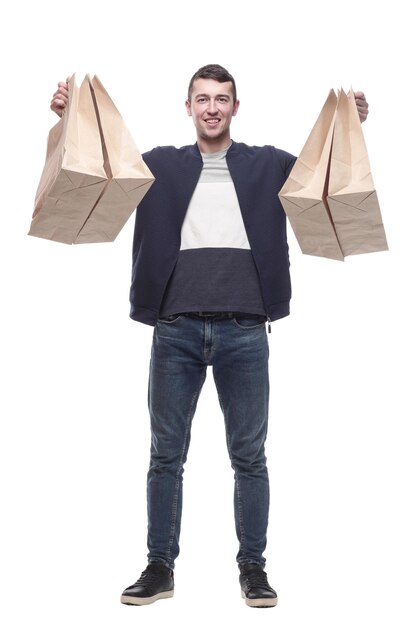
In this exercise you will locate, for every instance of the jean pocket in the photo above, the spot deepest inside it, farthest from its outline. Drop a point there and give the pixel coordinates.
(249, 321)
(170, 319)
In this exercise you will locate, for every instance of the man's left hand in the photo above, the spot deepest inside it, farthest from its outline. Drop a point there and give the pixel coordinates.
(361, 105)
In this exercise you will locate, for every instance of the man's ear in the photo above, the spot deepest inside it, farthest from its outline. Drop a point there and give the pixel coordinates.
(188, 107)
(236, 107)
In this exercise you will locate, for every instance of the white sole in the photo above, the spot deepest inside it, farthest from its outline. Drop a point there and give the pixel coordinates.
(144, 601)
(260, 603)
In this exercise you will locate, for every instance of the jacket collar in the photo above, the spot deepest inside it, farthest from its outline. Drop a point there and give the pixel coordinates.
(232, 151)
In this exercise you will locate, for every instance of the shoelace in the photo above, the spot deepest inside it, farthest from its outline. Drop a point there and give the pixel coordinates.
(148, 577)
(257, 579)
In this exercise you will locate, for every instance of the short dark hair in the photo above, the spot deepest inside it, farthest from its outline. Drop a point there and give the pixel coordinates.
(216, 72)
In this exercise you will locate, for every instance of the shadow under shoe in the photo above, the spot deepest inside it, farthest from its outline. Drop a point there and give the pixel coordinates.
(255, 588)
(155, 583)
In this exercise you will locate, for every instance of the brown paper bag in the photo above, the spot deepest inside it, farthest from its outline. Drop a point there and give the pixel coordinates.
(329, 197)
(352, 198)
(94, 176)
(303, 195)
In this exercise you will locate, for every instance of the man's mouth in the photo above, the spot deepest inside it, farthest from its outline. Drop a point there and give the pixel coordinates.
(212, 121)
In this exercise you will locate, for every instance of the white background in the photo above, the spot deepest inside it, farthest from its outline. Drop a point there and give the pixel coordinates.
(74, 426)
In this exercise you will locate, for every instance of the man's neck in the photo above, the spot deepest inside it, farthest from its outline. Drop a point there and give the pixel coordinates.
(209, 147)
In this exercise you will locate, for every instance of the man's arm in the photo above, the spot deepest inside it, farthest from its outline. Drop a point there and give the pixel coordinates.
(60, 100)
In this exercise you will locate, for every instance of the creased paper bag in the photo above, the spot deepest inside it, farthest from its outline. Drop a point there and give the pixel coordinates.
(329, 197)
(352, 198)
(94, 176)
(303, 195)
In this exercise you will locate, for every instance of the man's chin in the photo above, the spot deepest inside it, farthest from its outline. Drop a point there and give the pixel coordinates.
(213, 133)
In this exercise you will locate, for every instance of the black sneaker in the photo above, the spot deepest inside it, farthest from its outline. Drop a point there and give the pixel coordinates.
(255, 587)
(156, 582)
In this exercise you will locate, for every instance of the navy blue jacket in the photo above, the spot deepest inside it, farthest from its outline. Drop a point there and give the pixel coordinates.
(258, 174)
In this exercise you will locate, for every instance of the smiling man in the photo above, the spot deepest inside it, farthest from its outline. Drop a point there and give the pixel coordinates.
(210, 267)
(212, 105)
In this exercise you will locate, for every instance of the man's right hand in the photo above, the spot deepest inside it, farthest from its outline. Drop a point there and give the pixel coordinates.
(60, 99)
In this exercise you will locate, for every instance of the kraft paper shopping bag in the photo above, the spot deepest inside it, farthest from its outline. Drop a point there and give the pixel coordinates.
(352, 197)
(94, 176)
(329, 197)
(303, 195)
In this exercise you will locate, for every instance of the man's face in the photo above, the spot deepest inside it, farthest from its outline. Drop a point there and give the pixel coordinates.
(212, 109)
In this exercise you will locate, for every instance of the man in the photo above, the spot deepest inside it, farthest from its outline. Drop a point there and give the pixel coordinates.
(210, 267)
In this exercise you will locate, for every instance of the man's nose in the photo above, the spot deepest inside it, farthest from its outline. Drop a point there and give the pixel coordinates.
(212, 106)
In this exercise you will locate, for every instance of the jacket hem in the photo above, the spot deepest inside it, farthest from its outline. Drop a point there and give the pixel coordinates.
(145, 316)
(277, 311)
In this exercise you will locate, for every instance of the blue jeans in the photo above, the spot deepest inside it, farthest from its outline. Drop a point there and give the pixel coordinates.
(237, 349)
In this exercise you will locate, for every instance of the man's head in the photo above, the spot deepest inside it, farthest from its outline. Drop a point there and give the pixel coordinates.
(212, 103)
(215, 72)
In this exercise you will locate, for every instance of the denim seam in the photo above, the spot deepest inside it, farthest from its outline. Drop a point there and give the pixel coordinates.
(240, 511)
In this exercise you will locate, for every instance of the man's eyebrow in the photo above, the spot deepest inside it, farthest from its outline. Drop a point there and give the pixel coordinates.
(205, 95)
